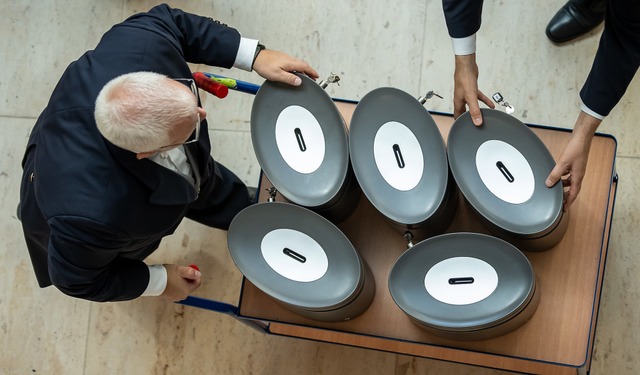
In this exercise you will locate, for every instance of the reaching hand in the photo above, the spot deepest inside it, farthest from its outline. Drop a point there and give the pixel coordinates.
(573, 160)
(465, 92)
(181, 281)
(277, 66)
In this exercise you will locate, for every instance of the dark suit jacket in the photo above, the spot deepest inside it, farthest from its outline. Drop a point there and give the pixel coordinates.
(616, 61)
(90, 210)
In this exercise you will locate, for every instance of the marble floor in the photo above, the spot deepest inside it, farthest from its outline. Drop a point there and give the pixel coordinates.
(369, 45)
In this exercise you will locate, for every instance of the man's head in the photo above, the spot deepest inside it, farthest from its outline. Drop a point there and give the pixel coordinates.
(144, 112)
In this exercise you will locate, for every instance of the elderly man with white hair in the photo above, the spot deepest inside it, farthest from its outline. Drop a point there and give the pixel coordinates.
(121, 154)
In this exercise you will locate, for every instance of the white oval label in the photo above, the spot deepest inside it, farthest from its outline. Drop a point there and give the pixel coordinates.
(294, 255)
(505, 171)
(300, 139)
(461, 280)
(398, 156)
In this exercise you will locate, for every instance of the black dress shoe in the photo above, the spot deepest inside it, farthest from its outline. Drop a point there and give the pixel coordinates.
(575, 18)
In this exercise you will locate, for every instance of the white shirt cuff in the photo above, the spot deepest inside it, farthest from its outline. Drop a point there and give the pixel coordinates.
(246, 51)
(157, 281)
(588, 111)
(464, 46)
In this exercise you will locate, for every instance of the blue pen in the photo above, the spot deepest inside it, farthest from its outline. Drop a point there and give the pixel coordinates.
(246, 87)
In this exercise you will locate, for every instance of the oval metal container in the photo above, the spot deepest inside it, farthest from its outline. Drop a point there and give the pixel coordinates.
(300, 140)
(301, 260)
(465, 286)
(400, 161)
(501, 168)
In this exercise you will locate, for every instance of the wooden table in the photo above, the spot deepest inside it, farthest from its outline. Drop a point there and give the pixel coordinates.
(559, 337)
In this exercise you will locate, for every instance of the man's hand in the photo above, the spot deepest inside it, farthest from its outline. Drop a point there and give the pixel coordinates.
(181, 281)
(277, 66)
(574, 157)
(465, 92)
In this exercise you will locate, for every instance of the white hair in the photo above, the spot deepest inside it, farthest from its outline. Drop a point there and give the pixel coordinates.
(138, 111)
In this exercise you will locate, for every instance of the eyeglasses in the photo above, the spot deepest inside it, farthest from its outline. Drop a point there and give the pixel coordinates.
(196, 132)
(191, 83)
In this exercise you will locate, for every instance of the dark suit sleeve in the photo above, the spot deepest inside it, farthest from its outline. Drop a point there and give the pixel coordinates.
(617, 58)
(463, 17)
(86, 261)
(201, 40)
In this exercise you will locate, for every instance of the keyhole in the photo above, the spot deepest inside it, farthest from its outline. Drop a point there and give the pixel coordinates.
(505, 172)
(300, 139)
(299, 257)
(398, 154)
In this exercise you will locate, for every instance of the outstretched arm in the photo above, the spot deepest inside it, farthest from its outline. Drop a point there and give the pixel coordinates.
(463, 18)
(615, 64)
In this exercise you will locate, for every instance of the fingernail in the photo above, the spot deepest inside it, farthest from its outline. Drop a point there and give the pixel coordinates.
(548, 182)
(198, 274)
(477, 121)
(297, 81)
